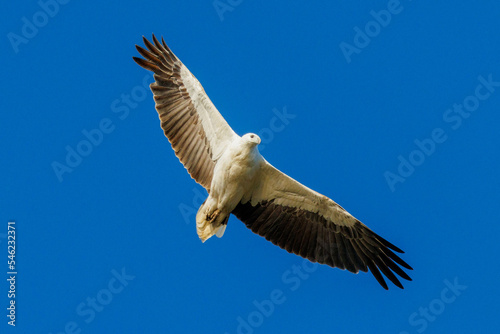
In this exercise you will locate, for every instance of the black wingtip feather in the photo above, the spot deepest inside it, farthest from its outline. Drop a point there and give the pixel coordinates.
(387, 272)
(397, 259)
(387, 243)
(353, 248)
(378, 276)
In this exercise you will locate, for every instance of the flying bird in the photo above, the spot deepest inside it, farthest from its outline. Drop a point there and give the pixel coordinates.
(241, 182)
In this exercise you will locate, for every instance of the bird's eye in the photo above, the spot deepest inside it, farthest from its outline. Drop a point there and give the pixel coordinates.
(251, 136)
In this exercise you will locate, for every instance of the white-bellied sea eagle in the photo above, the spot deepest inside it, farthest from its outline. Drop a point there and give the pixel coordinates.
(240, 181)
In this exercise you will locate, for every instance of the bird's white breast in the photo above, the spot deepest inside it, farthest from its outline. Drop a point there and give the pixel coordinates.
(234, 173)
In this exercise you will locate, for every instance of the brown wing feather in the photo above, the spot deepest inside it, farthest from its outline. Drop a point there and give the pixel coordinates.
(179, 120)
(355, 248)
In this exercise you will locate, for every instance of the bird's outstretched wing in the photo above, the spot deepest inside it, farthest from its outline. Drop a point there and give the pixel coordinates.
(197, 131)
(311, 225)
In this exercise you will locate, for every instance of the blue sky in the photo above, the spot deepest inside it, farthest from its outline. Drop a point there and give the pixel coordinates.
(392, 110)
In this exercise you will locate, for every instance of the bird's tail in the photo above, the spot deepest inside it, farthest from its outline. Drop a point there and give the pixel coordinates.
(210, 222)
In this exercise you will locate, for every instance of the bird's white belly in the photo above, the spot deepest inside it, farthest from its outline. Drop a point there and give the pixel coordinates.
(233, 176)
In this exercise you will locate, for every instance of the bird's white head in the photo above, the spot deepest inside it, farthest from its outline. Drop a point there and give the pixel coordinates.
(252, 139)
